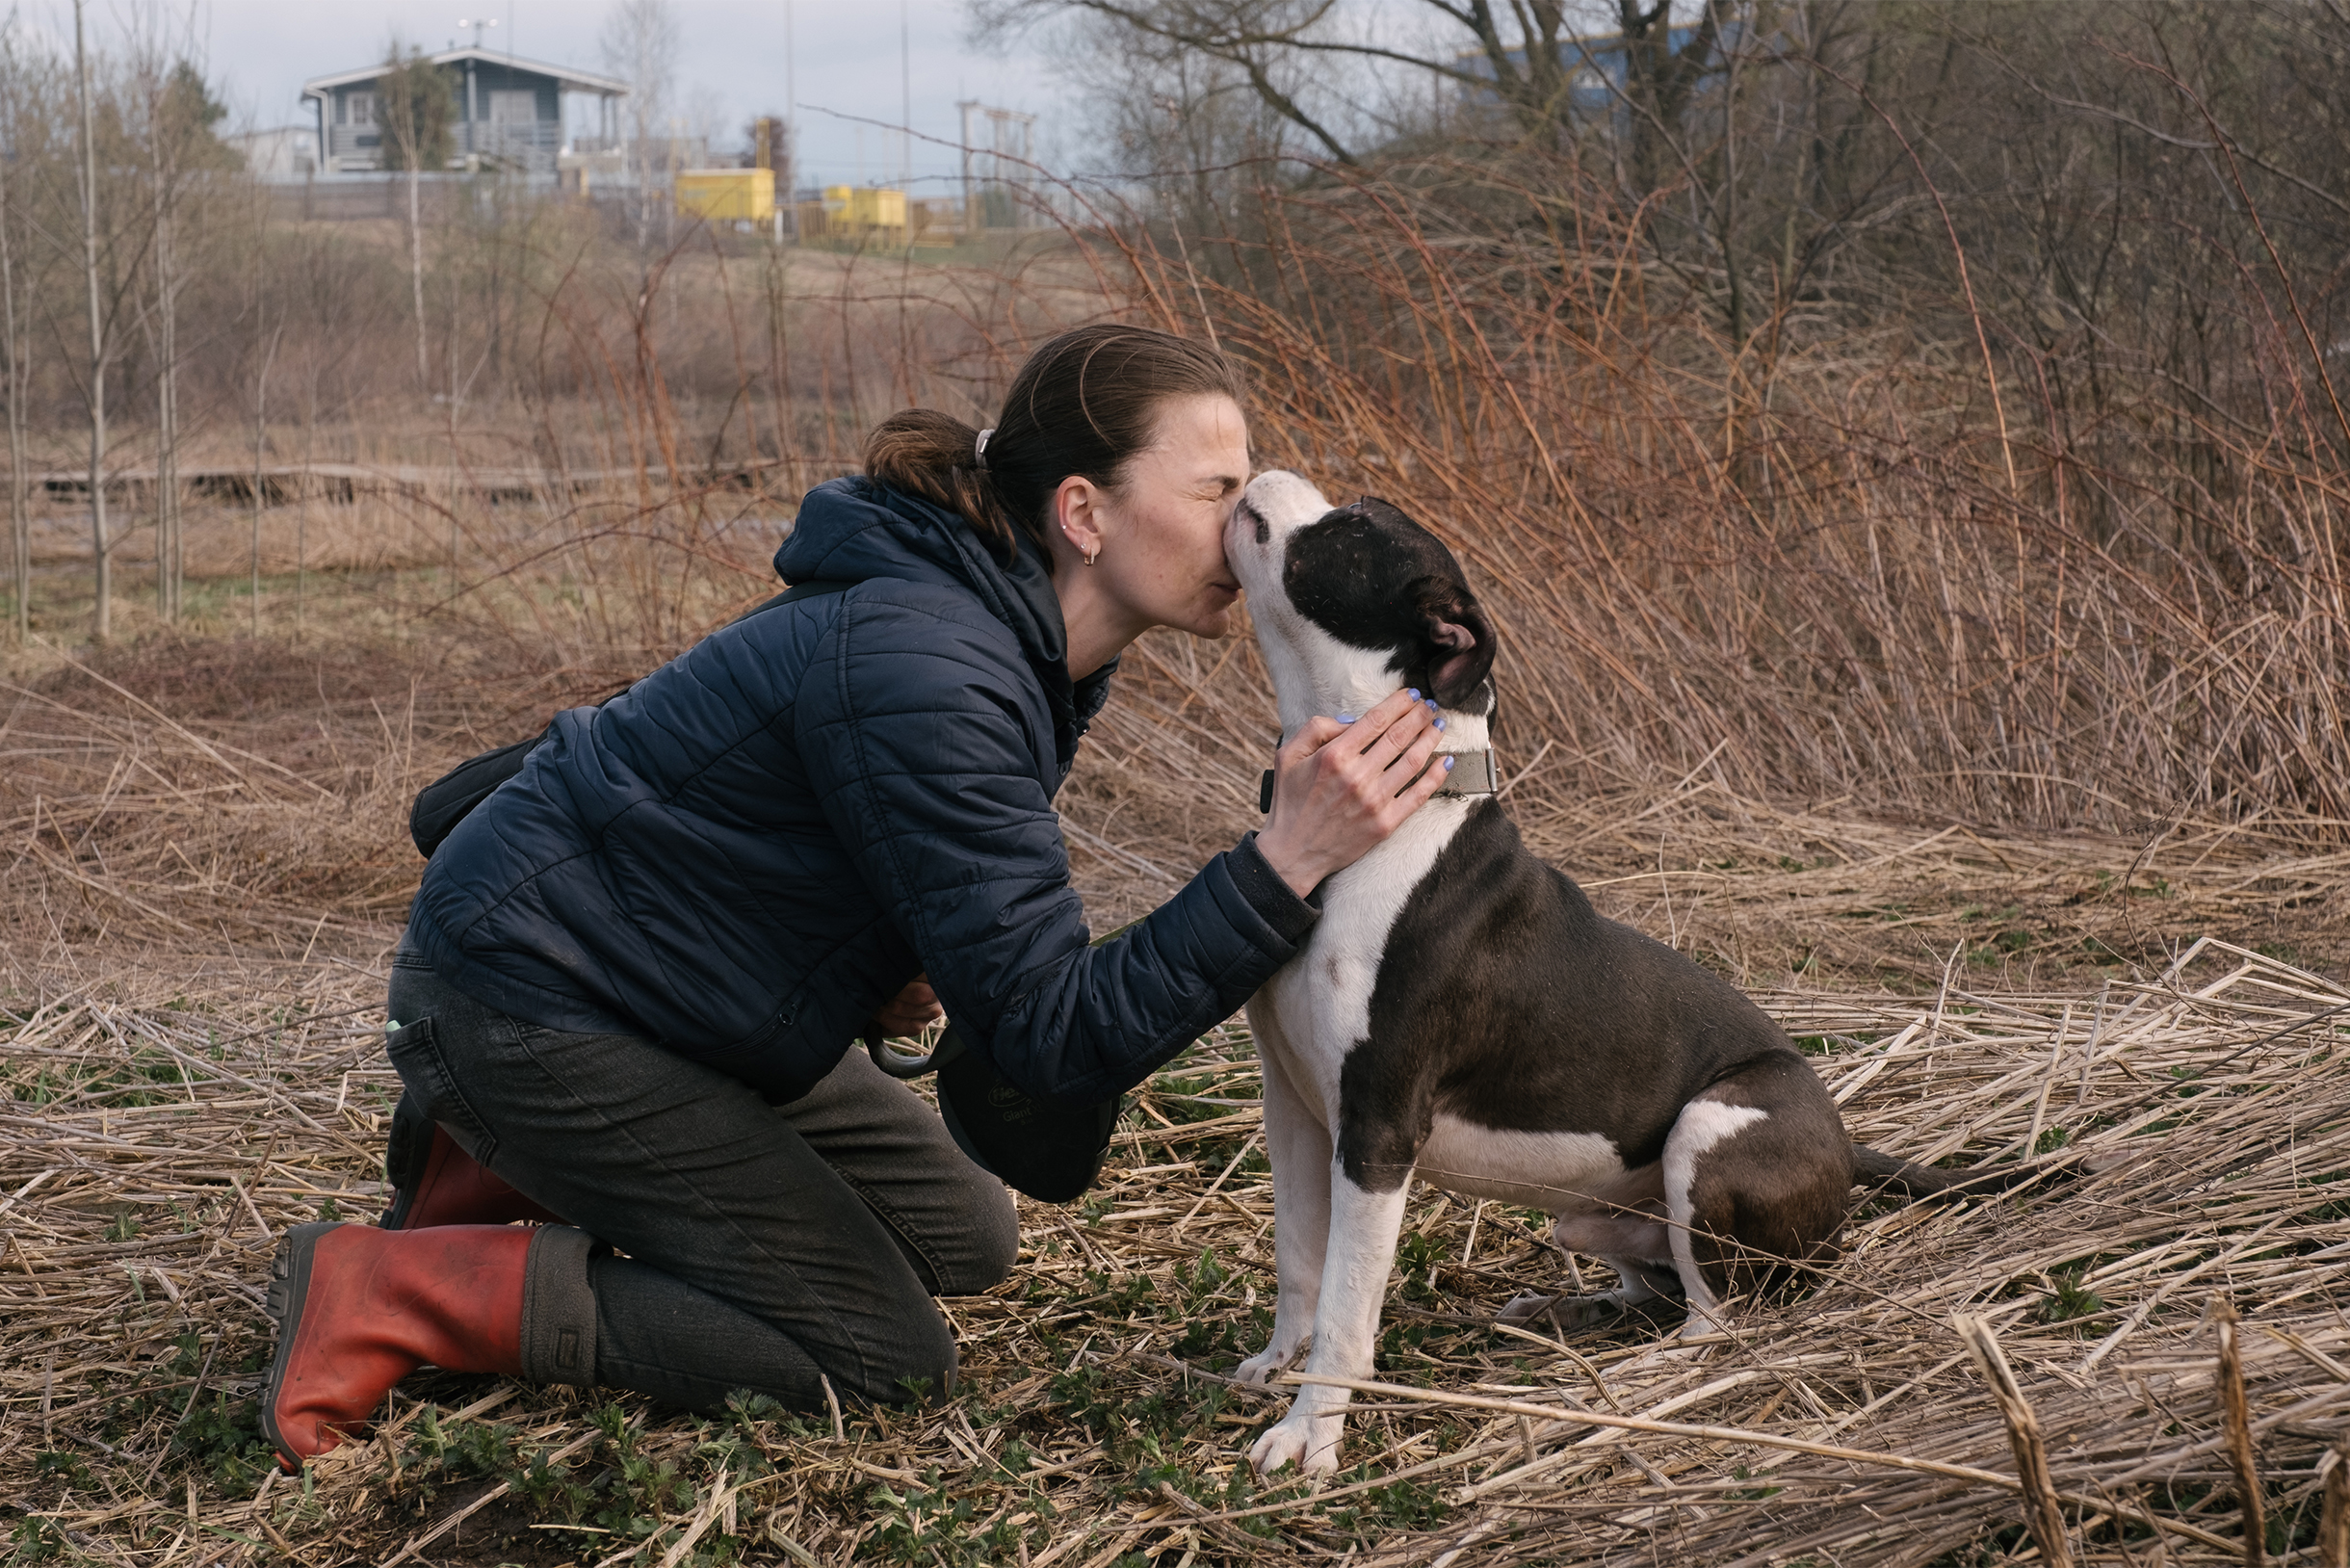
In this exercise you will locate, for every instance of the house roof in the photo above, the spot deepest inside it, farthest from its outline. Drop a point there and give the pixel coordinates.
(573, 80)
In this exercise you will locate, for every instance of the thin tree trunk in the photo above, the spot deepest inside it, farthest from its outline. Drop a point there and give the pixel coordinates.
(302, 519)
(101, 554)
(21, 522)
(416, 260)
(261, 394)
(167, 553)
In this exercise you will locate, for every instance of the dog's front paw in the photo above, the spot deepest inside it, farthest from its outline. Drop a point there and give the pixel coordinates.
(1300, 1438)
(1267, 1364)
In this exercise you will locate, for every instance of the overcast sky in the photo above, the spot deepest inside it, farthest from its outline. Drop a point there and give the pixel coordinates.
(732, 67)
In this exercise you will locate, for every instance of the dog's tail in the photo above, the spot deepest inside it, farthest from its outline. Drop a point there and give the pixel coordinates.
(1888, 1172)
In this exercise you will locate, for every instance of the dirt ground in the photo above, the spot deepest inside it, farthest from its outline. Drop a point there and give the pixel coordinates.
(206, 872)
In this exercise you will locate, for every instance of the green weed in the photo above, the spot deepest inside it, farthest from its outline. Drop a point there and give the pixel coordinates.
(2070, 1298)
(37, 1540)
(1417, 1256)
(932, 1523)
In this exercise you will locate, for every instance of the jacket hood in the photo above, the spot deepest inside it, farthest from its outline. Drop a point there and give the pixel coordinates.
(850, 530)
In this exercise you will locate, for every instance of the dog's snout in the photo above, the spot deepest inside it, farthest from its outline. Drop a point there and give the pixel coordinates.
(1255, 519)
(1278, 500)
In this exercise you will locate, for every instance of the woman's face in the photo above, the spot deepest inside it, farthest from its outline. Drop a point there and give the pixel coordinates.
(1160, 532)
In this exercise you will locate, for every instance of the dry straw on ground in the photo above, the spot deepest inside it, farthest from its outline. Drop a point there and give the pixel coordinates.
(193, 1062)
(159, 1143)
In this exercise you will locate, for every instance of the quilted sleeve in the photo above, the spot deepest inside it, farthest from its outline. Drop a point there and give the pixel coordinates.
(928, 742)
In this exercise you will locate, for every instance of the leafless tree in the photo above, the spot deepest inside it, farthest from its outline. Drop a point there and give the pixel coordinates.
(640, 47)
(416, 99)
(102, 548)
(176, 115)
(1526, 58)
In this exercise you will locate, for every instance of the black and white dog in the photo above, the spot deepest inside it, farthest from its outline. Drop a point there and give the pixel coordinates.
(1461, 1013)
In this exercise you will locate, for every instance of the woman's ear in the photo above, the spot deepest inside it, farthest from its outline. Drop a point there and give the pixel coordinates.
(1077, 514)
(1458, 647)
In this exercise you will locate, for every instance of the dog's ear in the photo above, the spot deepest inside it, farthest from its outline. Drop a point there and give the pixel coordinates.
(1457, 642)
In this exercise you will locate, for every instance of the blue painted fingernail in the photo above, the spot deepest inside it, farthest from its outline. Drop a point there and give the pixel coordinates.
(1413, 692)
(1439, 723)
(1449, 762)
(1346, 718)
(1432, 708)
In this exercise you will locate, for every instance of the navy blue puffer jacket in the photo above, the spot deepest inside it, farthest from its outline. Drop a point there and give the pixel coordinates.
(755, 846)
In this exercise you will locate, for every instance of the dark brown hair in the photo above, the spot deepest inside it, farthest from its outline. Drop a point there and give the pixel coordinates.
(1084, 403)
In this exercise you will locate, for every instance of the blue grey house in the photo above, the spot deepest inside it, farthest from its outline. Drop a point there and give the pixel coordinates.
(509, 112)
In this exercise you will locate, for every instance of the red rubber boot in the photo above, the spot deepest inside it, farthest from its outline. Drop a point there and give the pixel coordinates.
(358, 1308)
(451, 1188)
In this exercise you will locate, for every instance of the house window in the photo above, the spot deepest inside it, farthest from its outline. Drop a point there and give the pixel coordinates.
(361, 107)
(514, 108)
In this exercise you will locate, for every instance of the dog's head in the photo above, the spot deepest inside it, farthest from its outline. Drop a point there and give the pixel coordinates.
(1351, 602)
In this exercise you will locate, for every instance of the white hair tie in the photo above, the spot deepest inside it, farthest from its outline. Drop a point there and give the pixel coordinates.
(979, 449)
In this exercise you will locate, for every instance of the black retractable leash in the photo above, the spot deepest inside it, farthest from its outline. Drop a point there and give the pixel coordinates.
(1049, 1151)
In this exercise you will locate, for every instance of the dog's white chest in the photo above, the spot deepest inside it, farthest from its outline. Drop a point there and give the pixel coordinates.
(1322, 996)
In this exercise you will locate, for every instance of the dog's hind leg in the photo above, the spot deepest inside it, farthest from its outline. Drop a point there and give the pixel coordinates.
(1622, 1226)
(1298, 1142)
(1757, 1175)
(1362, 1250)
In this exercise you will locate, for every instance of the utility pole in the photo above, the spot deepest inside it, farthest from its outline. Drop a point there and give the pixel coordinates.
(970, 222)
(791, 90)
(102, 618)
(905, 120)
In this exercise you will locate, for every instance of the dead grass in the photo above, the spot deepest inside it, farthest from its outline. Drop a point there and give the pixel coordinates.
(1812, 561)
(206, 870)
(160, 1141)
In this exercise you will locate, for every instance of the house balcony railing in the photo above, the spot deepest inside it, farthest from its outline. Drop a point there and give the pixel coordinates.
(530, 145)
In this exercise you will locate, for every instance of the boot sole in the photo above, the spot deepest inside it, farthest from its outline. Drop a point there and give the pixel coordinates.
(288, 1289)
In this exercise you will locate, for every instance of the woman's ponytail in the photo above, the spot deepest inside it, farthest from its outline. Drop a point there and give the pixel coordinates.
(935, 456)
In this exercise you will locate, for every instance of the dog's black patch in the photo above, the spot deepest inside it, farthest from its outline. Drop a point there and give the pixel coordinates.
(1373, 579)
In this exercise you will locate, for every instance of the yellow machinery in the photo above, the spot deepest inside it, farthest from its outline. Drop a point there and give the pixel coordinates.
(865, 212)
(730, 195)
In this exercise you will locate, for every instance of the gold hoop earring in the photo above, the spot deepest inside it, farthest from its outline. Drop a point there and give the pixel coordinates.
(1093, 554)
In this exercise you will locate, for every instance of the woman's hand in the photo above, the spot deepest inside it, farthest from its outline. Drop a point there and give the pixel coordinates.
(1341, 789)
(908, 1012)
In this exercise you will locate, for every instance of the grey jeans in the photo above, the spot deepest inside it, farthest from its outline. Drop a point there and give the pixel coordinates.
(766, 1246)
